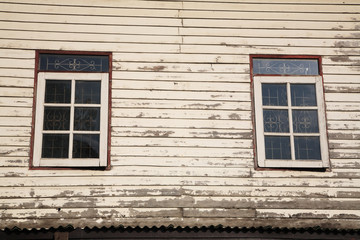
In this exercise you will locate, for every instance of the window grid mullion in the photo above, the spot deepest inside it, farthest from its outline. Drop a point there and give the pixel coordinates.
(291, 128)
(72, 112)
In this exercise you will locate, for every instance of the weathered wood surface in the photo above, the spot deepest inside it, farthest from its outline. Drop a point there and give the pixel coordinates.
(181, 119)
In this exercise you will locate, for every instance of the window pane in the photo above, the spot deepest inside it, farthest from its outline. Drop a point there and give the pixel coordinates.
(86, 146)
(55, 146)
(87, 92)
(305, 121)
(56, 118)
(277, 147)
(57, 91)
(276, 121)
(87, 119)
(74, 63)
(274, 95)
(307, 148)
(285, 66)
(303, 95)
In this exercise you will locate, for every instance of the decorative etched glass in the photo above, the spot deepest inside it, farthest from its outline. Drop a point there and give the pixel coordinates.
(277, 147)
(272, 66)
(305, 121)
(87, 119)
(303, 95)
(276, 121)
(86, 146)
(307, 148)
(56, 118)
(274, 94)
(57, 91)
(55, 146)
(74, 63)
(87, 92)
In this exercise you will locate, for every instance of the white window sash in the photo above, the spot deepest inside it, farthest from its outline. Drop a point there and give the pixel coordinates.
(259, 121)
(39, 118)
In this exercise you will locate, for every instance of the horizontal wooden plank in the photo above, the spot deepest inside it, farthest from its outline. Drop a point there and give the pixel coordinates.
(341, 60)
(337, 78)
(239, 49)
(344, 88)
(218, 212)
(17, 73)
(176, 181)
(90, 28)
(342, 69)
(185, 76)
(188, 131)
(285, 194)
(15, 111)
(89, 46)
(346, 125)
(342, 106)
(273, 191)
(16, 131)
(182, 152)
(9, 122)
(179, 114)
(89, 37)
(181, 86)
(345, 153)
(183, 142)
(180, 58)
(17, 53)
(14, 141)
(268, 24)
(345, 163)
(261, 15)
(183, 162)
(17, 63)
(180, 95)
(178, 104)
(303, 213)
(131, 171)
(201, 204)
(271, 7)
(344, 144)
(89, 213)
(81, 19)
(268, 33)
(14, 151)
(16, 82)
(342, 97)
(343, 115)
(335, 173)
(274, 41)
(180, 67)
(193, 124)
(344, 134)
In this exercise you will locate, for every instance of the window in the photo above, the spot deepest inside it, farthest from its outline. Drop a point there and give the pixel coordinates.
(71, 117)
(289, 113)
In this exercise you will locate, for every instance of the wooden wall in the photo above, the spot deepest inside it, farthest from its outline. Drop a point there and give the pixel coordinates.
(182, 138)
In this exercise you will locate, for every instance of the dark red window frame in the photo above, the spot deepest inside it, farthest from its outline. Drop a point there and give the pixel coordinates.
(252, 75)
(37, 70)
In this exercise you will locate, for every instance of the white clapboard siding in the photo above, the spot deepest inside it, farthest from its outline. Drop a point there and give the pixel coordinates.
(181, 126)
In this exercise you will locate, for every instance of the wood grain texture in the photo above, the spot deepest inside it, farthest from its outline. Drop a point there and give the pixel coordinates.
(182, 133)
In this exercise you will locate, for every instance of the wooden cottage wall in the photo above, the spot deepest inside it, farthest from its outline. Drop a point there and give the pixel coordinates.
(181, 125)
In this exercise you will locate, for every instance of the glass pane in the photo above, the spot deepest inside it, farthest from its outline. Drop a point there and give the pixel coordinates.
(274, 95)
(307, 148)
(56, 118)
(303, 95)
(86, 146)
(87, 119)
(57, 91)
(74, 63)
(276, 121)
(277, 147)
(87, 92)
(55, 146)
(305, 121)
(274, 66)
